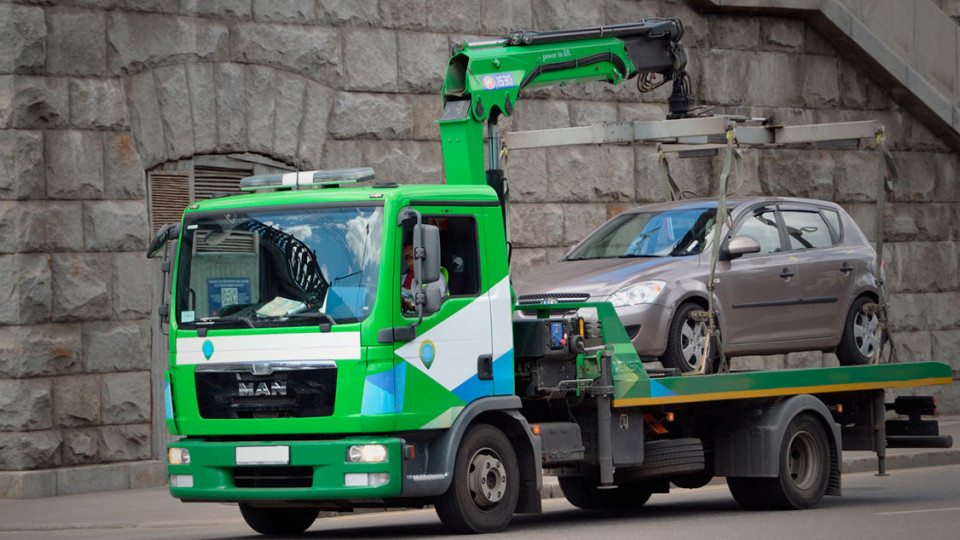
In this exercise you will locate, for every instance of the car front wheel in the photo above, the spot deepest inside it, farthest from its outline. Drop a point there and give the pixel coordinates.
(686, 340)
(861, 337)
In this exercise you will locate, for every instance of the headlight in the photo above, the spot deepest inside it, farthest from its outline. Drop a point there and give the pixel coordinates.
(178, 456)
(644, 292)
(367, 453)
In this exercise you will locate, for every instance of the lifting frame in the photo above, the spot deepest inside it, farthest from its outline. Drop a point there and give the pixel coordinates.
(702, 136)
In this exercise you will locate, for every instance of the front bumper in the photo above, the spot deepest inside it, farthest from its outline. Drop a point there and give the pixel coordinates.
(653, 321)
(322, 466)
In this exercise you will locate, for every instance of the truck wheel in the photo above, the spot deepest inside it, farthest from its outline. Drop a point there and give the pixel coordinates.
(804, 463)
(748, 492)
(692, 480)
(860, 340)
(486, 483)
(685, 341)
(583, 493)
(278, 521)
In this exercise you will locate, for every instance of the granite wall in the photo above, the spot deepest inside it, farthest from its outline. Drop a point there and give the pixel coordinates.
(93, 93)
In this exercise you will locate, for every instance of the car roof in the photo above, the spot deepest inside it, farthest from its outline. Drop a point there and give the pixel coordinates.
(732, 203)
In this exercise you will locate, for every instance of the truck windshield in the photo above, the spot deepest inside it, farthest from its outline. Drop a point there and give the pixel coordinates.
(669, 233)
(278, 267)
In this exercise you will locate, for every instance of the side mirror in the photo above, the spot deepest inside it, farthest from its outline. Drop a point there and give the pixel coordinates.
(434, 296)
(740, 245)
(428, 238)
(168, 232)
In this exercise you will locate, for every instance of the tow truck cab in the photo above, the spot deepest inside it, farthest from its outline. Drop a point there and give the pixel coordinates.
(296, 363)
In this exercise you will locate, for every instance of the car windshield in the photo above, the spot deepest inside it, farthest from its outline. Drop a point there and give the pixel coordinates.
(279, 267)
(668, 233)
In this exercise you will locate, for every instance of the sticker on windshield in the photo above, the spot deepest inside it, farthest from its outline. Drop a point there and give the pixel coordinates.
(496, 82)
(187, 316)
(223, 292)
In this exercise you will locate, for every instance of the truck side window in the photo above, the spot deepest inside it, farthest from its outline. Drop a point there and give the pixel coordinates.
(459, 253)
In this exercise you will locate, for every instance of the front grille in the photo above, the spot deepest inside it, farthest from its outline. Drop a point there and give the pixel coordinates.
(231, 393)
(273, 477)
(528, 299)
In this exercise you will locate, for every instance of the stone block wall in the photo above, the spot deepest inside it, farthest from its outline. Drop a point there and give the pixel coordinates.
(95, 92)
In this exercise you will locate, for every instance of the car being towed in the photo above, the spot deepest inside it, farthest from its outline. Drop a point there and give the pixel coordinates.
(793, 275)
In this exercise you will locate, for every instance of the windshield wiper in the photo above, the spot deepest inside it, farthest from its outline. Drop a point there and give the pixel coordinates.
(232, 318)
(326, 321)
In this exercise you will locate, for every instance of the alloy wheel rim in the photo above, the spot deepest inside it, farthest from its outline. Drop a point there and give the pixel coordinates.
(693, 336)
(865, 333)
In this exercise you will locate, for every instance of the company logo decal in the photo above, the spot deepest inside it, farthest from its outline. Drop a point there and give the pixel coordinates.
(207, 349)
(427, 353)
(496, 82)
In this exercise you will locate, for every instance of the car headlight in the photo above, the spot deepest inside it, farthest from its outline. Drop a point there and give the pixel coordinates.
(644, 292)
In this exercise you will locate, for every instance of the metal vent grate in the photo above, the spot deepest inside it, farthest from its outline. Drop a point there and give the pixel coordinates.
(550, 298)
(169, 195)
(233, 242)
(273, 477)
(210, 182)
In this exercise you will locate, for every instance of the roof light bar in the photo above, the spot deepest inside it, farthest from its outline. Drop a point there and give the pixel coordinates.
(302, 179)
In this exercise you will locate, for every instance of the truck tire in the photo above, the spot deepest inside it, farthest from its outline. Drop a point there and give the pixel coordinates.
(692, 480)
(486, 483)
(583, 492)
(278, 521)
(859, 340)
(685, 341)
(804, 464)
(671, 457)
(748, 492)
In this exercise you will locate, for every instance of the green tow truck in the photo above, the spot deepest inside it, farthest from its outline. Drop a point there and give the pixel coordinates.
(339, 345)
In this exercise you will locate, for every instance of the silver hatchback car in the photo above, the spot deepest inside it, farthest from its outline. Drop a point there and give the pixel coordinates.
(793, 275)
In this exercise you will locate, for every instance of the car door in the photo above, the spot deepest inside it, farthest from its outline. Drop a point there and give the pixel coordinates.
(826, 272)
(756, 291)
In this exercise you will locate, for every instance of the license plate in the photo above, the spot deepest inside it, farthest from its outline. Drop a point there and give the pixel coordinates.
(263, 455)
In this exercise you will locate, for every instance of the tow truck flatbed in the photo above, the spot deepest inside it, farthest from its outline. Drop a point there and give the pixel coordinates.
(671, 390)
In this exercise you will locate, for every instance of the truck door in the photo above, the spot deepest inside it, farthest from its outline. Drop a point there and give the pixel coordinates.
(453, 346)
(756, 291)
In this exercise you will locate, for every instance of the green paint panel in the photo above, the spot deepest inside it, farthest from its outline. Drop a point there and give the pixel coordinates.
(424, 399)
(212, 467)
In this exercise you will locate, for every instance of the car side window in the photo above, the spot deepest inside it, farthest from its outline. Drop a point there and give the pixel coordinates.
(833, 218)
(762, 227)
(806, 230)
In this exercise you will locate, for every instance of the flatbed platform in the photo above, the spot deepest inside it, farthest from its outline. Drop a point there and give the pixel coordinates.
(631, 391)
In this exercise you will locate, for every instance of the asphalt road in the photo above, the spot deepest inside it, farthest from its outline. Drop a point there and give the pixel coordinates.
(911, 504)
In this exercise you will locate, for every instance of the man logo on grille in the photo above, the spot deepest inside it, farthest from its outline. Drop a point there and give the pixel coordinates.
(275, 388)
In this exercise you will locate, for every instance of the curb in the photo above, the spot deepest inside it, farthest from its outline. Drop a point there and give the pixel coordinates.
(902, 461)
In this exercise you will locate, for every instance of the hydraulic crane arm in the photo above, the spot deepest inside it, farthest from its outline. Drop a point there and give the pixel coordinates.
(484, 79)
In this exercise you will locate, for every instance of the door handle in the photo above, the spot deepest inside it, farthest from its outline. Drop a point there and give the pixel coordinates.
(485, 367)
(787, 273)
(846, 268)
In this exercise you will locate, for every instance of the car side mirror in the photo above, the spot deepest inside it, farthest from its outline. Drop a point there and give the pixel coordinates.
(740, 245)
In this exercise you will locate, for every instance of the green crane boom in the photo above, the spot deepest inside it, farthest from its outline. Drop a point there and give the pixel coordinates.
(484, 79)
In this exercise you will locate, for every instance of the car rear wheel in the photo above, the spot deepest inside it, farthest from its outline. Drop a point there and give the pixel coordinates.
(686, 340)
(861, 337)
